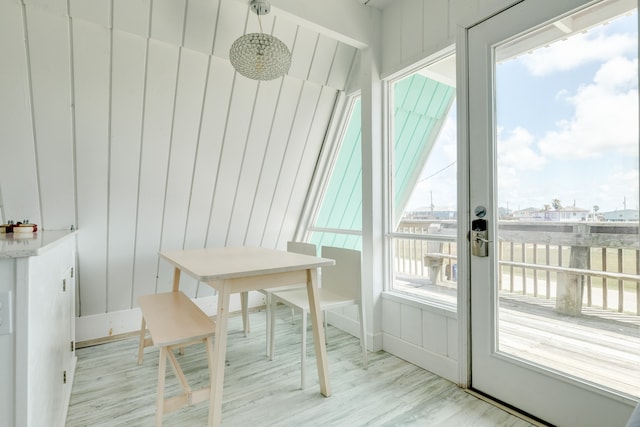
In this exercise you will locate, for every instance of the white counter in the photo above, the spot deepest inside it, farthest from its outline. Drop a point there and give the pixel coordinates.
(37, 341)
(19, 245)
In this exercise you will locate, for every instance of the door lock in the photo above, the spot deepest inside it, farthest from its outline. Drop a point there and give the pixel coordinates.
(479, 238)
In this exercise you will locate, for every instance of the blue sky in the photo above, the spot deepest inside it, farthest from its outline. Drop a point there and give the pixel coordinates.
(577, 138)
(567, 126)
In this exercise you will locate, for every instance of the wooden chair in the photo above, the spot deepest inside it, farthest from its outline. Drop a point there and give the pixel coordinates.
(297, 247)
(174, 321)
(341, 286)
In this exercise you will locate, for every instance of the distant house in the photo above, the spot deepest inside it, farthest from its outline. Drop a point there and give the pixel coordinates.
(620, 215)
(440, 213)
(568, 213)
(529, 214)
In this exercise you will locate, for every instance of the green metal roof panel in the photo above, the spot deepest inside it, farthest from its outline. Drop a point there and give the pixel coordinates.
(421, 105)
(342, 203)
(420, 108)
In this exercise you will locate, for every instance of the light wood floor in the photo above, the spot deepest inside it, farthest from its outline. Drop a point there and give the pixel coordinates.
(110, 389)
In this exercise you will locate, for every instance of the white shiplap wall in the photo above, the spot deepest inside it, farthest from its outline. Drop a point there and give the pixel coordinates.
(417, 29)
(125, 119)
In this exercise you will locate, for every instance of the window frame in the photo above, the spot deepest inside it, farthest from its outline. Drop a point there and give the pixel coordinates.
(389, 194)
(345, 105)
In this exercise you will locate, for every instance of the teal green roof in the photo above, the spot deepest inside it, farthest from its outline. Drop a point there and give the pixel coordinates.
(420, 109)
(341, 206)
(421, 105)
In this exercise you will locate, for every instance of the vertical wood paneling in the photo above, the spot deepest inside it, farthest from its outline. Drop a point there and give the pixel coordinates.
(391, 313)
(436, 30)
(127, 91)
(342, 63)
(434, 332)
(241, 110)
(410, 317)
(159, 100)
(230, 26)
(207, 157)
(323, 57)
(162, 159)
(91, 57)
(306, 166)
(290, 162)
(392, 36)
(57, 7)
(260, 129)
(184, 142)
(201, 25)
(214, 115)
(95, 11)
(132, 16)
(281, 127)
(18, 183)
(49, 49)
(412, 32)
(452, 338)
(302, 53)
(167, 21)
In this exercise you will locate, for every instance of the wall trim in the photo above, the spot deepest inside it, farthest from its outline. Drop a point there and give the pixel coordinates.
(351, 326)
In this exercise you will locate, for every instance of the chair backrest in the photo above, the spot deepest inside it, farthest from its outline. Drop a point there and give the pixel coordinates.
(344, 278)
(302, 248)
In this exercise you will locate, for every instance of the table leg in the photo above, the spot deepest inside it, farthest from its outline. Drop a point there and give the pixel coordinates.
(244, 306)
(217, 360)
(318, 331)
(176, 279)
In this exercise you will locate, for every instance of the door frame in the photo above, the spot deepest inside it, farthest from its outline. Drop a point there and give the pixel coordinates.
(617, 406)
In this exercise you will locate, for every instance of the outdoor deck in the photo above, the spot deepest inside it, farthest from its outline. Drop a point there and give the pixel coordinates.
(598, 346)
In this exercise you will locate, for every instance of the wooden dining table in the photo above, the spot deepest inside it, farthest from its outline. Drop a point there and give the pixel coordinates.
(240, 270)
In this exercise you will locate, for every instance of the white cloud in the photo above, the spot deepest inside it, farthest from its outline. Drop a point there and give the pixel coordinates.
(578, 50)
(449, 139)
(605, 118)
(516, 150)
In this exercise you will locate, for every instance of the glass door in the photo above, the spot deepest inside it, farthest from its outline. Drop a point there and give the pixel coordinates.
(554, 194)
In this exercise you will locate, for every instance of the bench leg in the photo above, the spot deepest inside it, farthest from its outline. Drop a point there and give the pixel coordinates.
(143, 328)
(162, 371)
(209, 344)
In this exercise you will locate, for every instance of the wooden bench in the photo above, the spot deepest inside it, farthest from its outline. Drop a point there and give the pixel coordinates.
(174, 321)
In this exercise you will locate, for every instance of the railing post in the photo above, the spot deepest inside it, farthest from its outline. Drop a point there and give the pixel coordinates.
(569, 287)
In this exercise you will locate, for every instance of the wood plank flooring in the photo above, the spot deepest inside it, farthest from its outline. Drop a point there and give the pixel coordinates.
(603, 350)
(110, 389)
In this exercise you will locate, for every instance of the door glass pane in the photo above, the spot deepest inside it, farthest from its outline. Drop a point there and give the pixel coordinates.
(424, 196)
(567, 194)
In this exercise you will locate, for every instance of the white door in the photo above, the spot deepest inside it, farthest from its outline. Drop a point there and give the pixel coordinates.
(553, 160)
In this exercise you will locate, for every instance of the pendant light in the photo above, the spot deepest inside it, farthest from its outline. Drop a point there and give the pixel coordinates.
(260, 56)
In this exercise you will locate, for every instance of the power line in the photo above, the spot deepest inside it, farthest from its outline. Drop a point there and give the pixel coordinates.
(437, 172)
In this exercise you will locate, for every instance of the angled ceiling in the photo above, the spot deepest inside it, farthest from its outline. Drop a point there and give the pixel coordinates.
(133, 126)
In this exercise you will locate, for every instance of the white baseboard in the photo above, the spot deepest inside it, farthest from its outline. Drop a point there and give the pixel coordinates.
(104, 325)
(351, 326)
